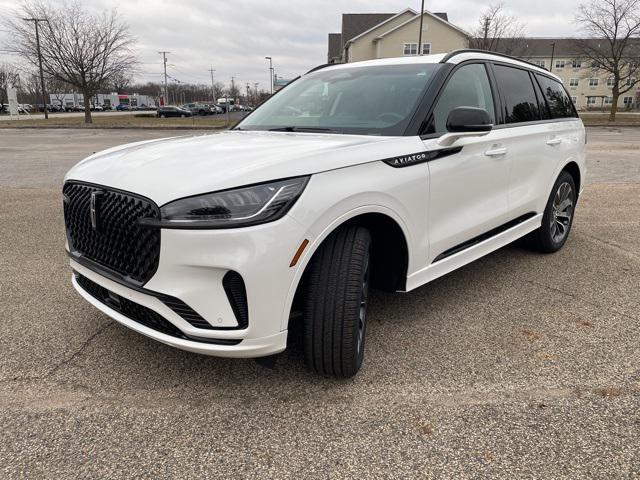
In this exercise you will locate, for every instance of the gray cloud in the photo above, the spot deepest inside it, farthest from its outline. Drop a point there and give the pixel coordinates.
(235, 36)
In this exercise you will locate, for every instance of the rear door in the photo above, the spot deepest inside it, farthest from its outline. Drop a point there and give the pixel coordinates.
(469, 182)
(530, 141)
(563, 133)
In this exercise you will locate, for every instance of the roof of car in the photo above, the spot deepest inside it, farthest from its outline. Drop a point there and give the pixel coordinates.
(455, 57)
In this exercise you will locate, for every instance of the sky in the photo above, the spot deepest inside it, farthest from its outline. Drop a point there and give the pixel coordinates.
(233, 37)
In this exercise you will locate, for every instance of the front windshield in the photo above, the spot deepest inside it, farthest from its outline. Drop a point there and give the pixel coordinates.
(374, 100)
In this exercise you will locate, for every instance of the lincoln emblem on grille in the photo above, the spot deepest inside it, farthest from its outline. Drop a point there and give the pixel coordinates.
(93, 209)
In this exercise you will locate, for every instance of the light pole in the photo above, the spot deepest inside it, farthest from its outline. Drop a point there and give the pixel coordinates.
(270, 72)
(44, 98)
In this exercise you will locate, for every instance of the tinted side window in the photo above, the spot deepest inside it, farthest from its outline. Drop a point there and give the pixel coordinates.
(542, 103)
(560, 105)
(519, 96)
(468, 87)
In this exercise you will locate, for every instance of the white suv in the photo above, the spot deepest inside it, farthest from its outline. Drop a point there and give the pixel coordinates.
(385, 173)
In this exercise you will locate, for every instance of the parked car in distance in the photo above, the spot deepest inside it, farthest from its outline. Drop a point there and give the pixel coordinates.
(197, 108)
(170, 111)
(123, 108)
(97, 108)
(383, 174)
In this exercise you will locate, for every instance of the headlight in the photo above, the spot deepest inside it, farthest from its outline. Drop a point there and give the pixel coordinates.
(239, 207)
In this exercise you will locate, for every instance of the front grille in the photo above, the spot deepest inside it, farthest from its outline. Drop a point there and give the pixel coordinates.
(116, 240)
(139, 313)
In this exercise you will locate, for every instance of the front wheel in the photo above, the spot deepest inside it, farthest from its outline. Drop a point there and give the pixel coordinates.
(558, 216)
(336, 297)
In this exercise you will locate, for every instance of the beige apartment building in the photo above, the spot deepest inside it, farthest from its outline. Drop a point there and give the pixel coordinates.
(366, 36)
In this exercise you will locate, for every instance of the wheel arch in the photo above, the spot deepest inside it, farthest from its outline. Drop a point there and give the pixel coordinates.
(390, 251)
(573, 169)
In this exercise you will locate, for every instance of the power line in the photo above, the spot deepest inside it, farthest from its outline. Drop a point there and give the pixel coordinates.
(213, 87)
(166, 90)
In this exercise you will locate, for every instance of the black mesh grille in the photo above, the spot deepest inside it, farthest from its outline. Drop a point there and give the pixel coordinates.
(139, 313)
(118, 242)
(237, 294)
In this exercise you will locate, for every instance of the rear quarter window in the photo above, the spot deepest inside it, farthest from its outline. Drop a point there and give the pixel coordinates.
(520, 102)
(560, 105)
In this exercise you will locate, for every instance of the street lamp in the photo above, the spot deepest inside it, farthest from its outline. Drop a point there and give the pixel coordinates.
(270, 72)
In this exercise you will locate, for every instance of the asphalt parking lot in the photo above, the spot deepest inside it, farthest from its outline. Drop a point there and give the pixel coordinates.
(517, 366)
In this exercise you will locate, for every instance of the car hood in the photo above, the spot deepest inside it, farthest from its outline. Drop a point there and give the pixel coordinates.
(171, 168)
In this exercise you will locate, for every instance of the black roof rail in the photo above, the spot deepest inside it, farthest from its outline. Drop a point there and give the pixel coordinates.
(320, 67)
(450, 55)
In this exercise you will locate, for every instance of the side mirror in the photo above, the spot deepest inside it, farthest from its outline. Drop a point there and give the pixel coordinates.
(466, 122)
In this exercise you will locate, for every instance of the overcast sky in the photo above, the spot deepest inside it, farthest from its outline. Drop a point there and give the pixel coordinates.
(234, 36)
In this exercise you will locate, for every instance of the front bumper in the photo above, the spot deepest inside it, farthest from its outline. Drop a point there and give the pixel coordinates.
(192, 266)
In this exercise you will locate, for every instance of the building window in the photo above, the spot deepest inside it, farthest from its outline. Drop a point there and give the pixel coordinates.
(630, 81)
(595, 64)
(540, 63)
(574, 100)
(591, 100)
(608, 100)
(576, 63)
(627, 101)
(593, 82)
(410, 48)
(610, 82)
(574, 82)
(559, 63)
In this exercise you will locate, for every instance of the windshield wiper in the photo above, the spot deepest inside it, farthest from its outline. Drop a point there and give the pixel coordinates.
(303, 129)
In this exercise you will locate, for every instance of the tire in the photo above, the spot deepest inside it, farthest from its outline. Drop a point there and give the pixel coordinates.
(335, 303)
(162, 116)
(558, 216)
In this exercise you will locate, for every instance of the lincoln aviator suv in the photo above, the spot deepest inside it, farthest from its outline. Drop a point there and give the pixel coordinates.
(379, 174)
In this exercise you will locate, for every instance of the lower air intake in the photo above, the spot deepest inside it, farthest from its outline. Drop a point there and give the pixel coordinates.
(237, 295)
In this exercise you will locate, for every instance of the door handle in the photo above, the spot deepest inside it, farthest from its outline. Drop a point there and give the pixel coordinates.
(496, 151)
(554, 141)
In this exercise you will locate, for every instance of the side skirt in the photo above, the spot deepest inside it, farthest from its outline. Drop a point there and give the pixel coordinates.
(477, 250)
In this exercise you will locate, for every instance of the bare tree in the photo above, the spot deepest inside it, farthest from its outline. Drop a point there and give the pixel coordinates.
(57, 90)
(498, 31)
(218, 89)
(79, 48)
(120, 82)
(614, 48)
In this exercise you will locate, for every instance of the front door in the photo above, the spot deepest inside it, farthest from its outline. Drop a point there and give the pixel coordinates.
(468, 189)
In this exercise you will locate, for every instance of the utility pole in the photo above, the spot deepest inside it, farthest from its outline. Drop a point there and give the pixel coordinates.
(553, 50)
(248, 94)
(255, 89)
(166, 88)
(36, 21)
(420, 34)
(213, 87)
(270, 72)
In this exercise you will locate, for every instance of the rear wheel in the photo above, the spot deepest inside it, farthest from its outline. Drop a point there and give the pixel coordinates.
(558, 216)
(336, 299)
